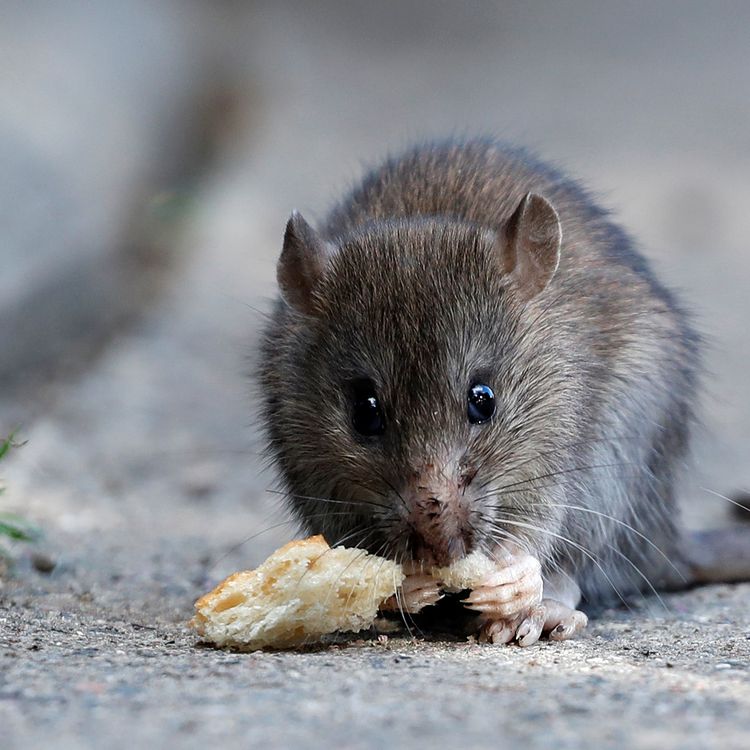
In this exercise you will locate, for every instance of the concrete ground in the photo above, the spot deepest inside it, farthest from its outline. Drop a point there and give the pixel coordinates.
(142, 465)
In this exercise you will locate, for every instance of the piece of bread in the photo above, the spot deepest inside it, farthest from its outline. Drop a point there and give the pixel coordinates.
(303, 591)
(466, 573)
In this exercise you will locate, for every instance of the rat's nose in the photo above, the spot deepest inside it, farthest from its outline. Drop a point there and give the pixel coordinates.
(438, 517)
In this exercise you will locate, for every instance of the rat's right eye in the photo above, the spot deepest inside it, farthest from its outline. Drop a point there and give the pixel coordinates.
(367, 416)
(481, 403)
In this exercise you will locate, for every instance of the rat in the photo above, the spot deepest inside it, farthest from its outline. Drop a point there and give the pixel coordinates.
(469, 354)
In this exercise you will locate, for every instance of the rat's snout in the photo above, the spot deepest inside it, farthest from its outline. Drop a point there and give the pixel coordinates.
(437, 516)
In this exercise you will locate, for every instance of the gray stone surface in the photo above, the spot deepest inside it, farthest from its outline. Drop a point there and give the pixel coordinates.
(674, 681)
(146, 473)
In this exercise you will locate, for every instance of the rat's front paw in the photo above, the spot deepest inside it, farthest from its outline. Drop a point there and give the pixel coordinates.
(417, 592)
(549, 617)
(510, 590)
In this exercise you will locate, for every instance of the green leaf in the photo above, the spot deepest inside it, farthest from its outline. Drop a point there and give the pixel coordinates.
(19, 533)
(5, 445)
(12, 526)
(17, 527)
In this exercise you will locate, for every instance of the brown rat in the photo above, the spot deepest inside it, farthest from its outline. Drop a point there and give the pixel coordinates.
(469, 355)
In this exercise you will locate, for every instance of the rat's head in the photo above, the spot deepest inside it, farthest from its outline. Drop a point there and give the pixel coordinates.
(414, 388)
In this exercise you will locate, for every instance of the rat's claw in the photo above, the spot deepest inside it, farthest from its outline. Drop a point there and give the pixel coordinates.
(417, 591)
(530, 629)
(509, 590)
(549, 617)
(569, 622)
(498, 631)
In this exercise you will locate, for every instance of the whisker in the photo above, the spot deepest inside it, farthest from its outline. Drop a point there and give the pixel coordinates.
(359, 554)
(401, 610)
(523, 544)
(328, 499)
(525, 490)
(383, 561)
(333, 584)
(578, 546)
(629, 528)
(374, 527)
(396, 492)
(235, 547)
(561, 472)
(640, 573)
(728, 499)
(543, 454)
(405, 612)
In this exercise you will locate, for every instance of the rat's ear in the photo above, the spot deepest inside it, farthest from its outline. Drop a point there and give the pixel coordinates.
(532, 245)
(302, 263)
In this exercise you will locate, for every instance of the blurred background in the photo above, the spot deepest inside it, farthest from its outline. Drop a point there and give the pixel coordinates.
(151, 153)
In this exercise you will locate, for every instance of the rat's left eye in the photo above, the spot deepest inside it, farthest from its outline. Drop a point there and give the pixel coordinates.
(481, 403)
(367, 414)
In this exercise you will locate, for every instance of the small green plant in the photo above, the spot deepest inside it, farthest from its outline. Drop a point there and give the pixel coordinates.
(12, 526)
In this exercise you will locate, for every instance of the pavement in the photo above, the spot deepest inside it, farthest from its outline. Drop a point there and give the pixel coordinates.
(143, 464)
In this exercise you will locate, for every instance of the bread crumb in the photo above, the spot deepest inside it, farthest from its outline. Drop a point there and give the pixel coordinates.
(466, 573)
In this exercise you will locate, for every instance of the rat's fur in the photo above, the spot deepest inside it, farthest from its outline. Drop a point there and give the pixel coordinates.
(596, 376)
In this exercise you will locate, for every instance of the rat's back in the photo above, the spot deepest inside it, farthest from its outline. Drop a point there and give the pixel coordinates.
(480, 181)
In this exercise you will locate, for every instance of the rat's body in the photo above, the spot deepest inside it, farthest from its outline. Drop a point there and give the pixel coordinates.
(436, 276)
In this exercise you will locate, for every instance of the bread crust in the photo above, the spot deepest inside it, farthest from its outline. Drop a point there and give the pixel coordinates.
(301, 593)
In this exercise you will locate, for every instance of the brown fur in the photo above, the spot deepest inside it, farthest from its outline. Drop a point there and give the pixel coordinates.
(594, 372)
